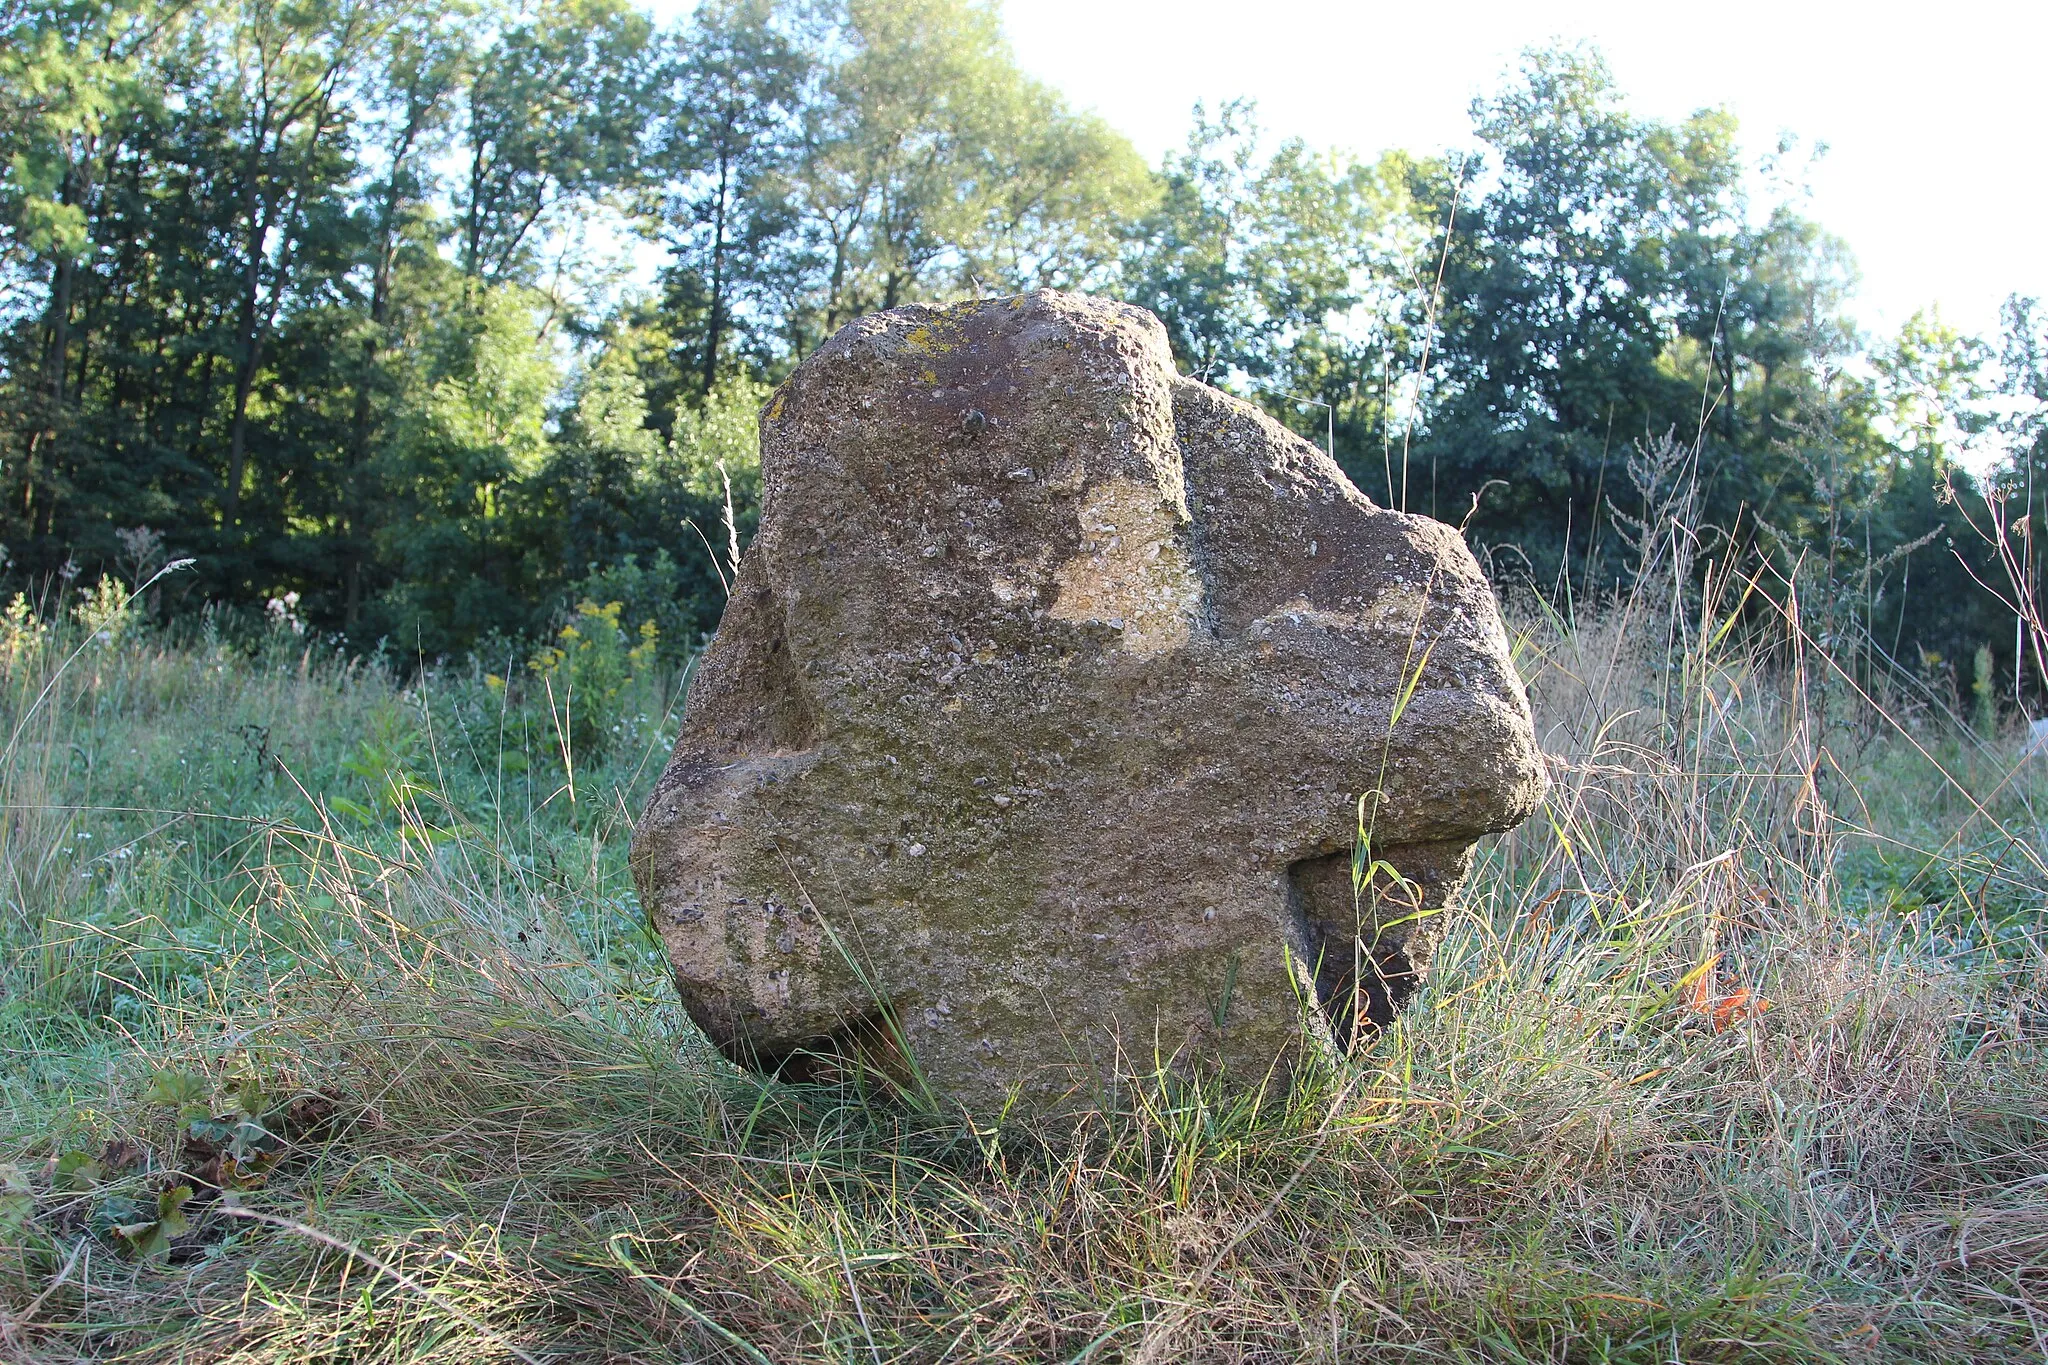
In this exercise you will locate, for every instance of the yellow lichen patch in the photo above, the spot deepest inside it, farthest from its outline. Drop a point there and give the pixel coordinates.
(1132, 571)
(938, 337)
(775, 408)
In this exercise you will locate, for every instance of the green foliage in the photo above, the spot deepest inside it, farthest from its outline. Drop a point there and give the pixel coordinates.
(658, 594)
(21, 633)
(148, 1227)
(179, 1091)
(17, 1201)
(555, 106)
(77, 1172)
(321, 293)
(930, 161)
(726, 142)
(67, 72)
(1588, 306)
(1249, 259)
(384, 759)
(449, 515)
(716, 449)
(103, 608)
(587, 672)
(645, 520)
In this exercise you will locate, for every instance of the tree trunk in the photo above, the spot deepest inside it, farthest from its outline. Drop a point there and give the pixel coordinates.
(281, 212)
(352, 492)
(249, 347)
(256, 218)
(838, 282)
(473, 228)
(56, 362)
(715, 323)
(60, 331)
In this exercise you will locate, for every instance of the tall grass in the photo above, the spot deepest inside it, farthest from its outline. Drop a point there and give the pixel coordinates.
(1734, 1052)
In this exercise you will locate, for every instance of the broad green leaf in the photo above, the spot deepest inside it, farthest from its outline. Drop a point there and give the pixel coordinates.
(176, 1090)
(17, 1200)
(78, 1171)
(149, 1237)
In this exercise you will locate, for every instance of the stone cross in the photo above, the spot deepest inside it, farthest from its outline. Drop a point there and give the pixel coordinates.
(1050, 707)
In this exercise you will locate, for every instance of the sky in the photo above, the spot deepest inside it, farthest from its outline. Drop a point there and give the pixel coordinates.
(1933, 116)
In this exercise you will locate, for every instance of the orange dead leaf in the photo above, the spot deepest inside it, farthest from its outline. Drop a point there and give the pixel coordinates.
(1724, 1010)
(1733, 1009)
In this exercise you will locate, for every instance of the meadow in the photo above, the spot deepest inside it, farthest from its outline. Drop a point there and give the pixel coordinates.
(332, 1032)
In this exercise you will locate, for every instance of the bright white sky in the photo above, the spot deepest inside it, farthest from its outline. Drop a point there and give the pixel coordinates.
(1936, 173)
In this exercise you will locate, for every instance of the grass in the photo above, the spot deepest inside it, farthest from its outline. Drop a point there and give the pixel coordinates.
(354, 961)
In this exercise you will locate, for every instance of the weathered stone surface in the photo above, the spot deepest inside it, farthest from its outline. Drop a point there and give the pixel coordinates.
(1042, 709)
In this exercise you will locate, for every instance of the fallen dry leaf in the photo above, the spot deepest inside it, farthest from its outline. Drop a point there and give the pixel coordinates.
(1724, 1010)
(1733, 1009)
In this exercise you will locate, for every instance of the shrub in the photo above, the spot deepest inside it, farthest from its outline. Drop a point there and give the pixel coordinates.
(588, 671)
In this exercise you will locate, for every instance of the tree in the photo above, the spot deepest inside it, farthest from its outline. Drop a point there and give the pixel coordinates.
(929, 156)
(455, 530)
(299, 288)
(280, 88)
(1265, 269)
(728, 138)
(554, 116)
(1604, 290)
(70, 75)
(423, 67)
